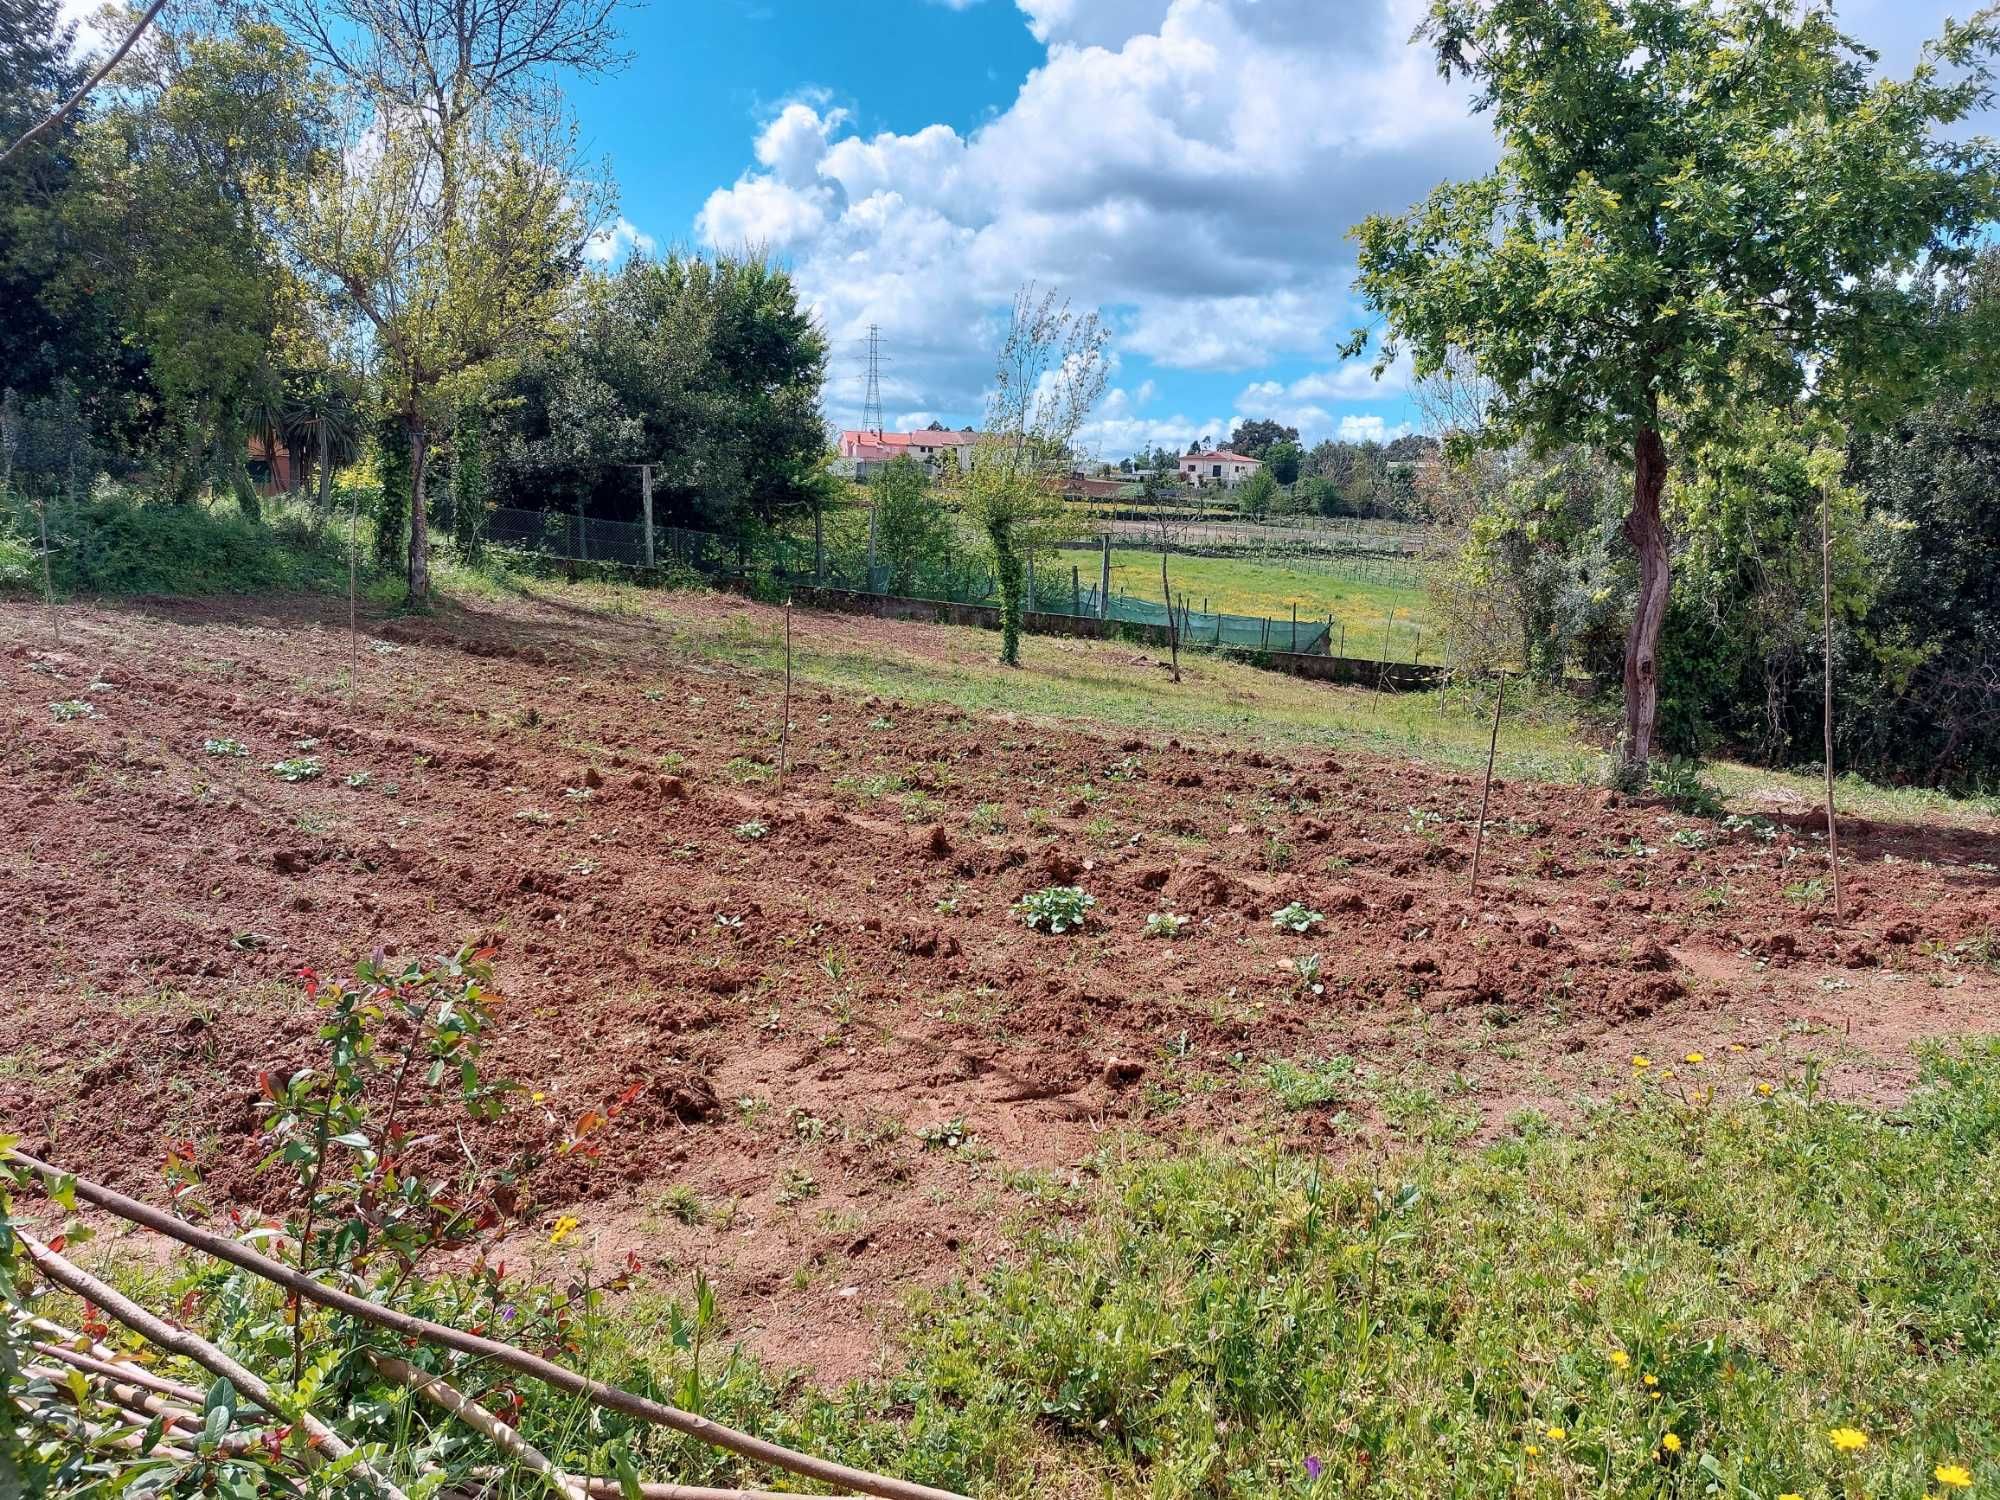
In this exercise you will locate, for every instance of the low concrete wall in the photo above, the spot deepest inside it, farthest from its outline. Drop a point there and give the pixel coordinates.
(1400, 677)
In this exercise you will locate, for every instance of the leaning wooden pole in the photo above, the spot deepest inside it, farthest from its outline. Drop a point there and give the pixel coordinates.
(507, 1356)
(447, 1398)
(353, 635)
(1826, 645)
(192, 1347)
(1486, 787)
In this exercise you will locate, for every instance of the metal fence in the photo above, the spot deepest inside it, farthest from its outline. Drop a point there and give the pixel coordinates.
(955, 580)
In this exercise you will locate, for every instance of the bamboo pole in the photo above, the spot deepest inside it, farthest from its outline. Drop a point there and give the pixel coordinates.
(193, 1347)
(353, 639)
(507, 1356)
(785, 728)
(1486, 787)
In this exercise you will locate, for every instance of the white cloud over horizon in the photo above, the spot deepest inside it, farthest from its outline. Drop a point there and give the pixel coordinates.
(1173, 162)
(1192, 167)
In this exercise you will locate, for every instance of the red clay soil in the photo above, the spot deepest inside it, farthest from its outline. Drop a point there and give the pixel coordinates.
(806, 1008)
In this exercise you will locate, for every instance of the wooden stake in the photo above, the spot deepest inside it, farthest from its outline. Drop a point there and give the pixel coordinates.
(353, 637)
(1826, 628)
(498, 1433)
(1486, 788)
(48, 574)
(785, 729)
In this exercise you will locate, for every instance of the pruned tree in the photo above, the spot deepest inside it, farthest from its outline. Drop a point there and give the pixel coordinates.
(1051, 371)
(1696, 207)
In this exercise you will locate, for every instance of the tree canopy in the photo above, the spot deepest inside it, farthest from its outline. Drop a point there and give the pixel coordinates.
(1696, 207)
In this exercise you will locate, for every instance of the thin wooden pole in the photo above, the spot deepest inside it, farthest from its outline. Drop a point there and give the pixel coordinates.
(195, 1348)
(447, 1398)
(785, 729)
(1826, 644)
(1486, 787)
(506, 1356)
(48, 572)
(353, 635)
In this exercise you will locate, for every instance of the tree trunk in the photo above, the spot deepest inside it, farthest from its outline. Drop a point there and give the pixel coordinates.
(420, 535)
(1648, 537)
(1173, 625)
(1007, 570)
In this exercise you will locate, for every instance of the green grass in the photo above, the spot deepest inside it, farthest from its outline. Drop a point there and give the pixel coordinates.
(1247, 586)
(1778, 1267)
(1531, 1318)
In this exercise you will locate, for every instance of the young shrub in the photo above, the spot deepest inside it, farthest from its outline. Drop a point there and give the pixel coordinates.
(1056, 909)
(1164, 924)
(1297, 917)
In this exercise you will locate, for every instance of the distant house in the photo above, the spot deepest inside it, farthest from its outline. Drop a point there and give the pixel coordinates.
(1217, 466)
(1084, 487)
(868, 451)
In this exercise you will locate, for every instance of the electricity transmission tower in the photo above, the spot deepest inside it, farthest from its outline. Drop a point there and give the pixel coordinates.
(871, 405)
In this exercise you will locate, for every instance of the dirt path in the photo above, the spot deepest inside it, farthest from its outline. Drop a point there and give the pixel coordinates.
(823, 990)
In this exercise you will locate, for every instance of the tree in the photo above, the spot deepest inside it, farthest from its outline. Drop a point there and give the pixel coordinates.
(1254, 439)
(1697, 207)
(1283, 459)
(449, 282)
(1051, 371)
(457, 218)
(1255, 495)
(913, 530)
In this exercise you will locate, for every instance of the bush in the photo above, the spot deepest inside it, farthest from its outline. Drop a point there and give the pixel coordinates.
(115, 543)
(1059, 908)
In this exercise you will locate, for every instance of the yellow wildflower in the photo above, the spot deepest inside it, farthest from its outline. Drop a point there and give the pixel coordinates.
(1791, 1495)
(1531, 1450)
(1764, 1089)
(1694, 1058)
(1557, 1434)
(564, 1228)
(1671, 1442)
(1640, 1062)
(1957, 1476)
(1650, 1379)
(1619, 1359)
(1848, 1439)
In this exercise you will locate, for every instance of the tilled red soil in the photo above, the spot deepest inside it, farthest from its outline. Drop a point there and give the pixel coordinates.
(816, 1012)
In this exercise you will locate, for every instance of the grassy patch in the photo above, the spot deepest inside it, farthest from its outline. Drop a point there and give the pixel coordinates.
(1248, 586)
(1537, 1318)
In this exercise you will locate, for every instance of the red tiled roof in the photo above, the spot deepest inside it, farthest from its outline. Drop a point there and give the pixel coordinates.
(1219, 455)
(851, 439)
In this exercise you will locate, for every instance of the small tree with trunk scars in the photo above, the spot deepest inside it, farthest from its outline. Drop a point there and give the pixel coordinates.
(1696, 207)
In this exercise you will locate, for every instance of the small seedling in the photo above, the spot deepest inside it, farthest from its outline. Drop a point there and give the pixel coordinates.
(1307, 967)
(72, 708)
(225, 747)
(751, 830)
(1056, 908)
(950, 1135)
(1164, 924)
(360, 780)
(1297, 917)
(297, 768)
(577, 793)
(1689, 838)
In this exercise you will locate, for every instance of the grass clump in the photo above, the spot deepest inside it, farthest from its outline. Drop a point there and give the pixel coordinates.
(1539, 1318)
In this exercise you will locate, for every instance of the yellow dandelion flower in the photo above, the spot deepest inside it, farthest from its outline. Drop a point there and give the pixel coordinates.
(1764, 1089)
(1650, 1379)
(564, 1228)
(1957, 1476)
(1619, 1359)
(1640, 1062)
(1671, 1442)
(1848, 1439)
(1791, 1495)
(1531, 1450)
(1694, 1059)
(1557, 1434)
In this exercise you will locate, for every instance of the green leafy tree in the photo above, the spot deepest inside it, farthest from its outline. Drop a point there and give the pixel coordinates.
(1256, 495)
(915, 534)
(1283, 460)
(1052, 367)
(1697, 207)
(1256, 438)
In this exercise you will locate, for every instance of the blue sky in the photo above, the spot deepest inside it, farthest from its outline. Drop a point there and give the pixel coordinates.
(1190, 166)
